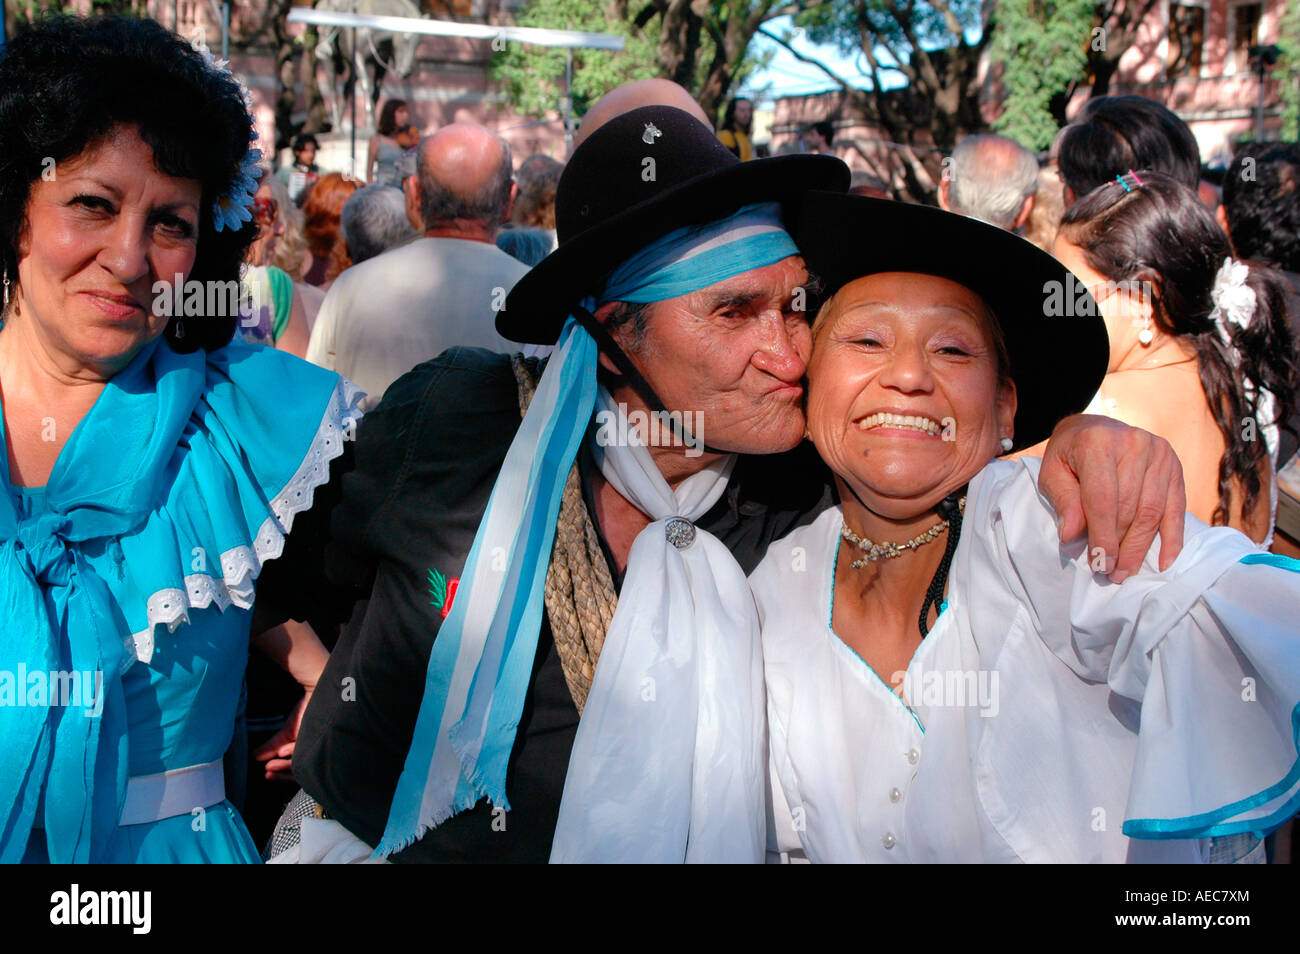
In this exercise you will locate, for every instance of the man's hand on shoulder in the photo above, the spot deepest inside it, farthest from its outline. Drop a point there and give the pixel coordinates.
(1121, 484)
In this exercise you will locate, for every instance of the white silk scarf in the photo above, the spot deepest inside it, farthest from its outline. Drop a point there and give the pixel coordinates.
(669, 760)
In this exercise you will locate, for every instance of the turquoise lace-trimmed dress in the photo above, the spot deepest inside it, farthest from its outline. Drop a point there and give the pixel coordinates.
(137, 561)
(386, 158)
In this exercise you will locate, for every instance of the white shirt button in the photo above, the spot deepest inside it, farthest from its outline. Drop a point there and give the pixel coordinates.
(895, 794)
(913, 755)
(889, 840)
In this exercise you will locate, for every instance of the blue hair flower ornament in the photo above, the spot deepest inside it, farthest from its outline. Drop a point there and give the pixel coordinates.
(233, 209)
(234, 206)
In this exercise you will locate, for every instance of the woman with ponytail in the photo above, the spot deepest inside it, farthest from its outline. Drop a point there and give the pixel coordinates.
(1200, 350)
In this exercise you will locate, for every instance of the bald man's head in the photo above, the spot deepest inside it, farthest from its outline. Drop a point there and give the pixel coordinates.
(630, 96)
(464, 174)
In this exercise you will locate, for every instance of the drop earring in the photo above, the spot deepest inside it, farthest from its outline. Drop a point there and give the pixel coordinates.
(1145, 335)
(6, 295)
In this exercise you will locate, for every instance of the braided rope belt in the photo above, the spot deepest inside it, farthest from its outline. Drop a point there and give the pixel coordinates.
(580, 598)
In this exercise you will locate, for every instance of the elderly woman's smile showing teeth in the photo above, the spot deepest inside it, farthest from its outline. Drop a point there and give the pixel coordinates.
(910, 424)
(907, 392)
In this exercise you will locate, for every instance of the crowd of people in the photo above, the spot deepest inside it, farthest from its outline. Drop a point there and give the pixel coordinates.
(665, 504)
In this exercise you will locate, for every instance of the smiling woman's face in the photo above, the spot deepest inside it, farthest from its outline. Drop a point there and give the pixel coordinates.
(95, 240)
(904, 399)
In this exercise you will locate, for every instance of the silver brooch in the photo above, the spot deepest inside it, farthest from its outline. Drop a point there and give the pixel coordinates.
(680, 532)
(651, 134)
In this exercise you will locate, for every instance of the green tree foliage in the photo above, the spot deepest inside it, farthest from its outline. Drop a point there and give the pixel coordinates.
(703, 46)
(932, 48)
(898, 28)
(532, 77)
(1287, 70)
(30, 11)
(919, 64)
(1043, 50)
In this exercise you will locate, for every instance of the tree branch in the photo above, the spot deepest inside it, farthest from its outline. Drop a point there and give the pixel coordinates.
(950, 20)
(811, 61)
(926, 71)
(645, 15)
(885, 113)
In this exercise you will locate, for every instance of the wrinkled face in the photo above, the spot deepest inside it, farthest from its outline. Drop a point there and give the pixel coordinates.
(735, 353)
(904, 401)
(95, 240)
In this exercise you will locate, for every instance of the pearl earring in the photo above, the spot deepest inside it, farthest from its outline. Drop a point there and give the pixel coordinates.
(1145, 335)
(1007, 444)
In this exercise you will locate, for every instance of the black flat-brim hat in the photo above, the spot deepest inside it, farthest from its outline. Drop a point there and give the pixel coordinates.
(638, 177)
(1055, 335)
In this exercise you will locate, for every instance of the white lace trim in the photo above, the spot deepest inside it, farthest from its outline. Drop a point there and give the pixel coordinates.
(241, 565)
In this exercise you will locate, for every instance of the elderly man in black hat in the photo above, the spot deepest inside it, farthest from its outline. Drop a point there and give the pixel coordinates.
(463, 715)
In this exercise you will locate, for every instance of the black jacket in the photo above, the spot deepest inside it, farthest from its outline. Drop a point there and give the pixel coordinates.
(407, 499)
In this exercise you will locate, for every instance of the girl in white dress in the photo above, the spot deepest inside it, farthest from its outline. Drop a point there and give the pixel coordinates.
(948, 682)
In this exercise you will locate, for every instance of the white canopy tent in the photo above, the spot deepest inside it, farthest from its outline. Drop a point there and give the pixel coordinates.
(566, 39)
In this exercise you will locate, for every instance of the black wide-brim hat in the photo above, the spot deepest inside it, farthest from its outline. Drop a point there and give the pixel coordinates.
(1054, 332)
(611, 203)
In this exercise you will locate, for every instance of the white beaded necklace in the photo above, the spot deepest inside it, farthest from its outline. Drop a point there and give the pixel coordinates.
(887, 550)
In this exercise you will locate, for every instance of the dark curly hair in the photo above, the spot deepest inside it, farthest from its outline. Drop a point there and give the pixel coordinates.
(1163, 233)
(66, 82)
(1261, 198)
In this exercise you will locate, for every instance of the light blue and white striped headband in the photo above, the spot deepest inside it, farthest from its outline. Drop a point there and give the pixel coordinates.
(697, 256)
(481, 661)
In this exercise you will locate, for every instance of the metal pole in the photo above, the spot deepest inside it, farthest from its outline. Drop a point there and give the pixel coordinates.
(1259, 107)
(225, 30)
(568, 100)
(353, 67)
(1262, 58)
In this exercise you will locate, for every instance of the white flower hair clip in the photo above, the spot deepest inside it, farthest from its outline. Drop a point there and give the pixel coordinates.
(1234, 300)
(234, 206)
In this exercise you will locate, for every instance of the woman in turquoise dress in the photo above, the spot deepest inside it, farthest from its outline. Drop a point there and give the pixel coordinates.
(152, 463)
(385, 150)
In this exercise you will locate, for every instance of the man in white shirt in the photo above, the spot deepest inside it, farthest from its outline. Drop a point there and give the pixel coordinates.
(386, 315)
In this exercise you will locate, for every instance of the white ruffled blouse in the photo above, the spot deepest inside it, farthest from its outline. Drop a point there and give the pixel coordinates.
(1051, 715)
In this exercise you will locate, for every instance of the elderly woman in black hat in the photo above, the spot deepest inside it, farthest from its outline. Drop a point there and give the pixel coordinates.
(947, 680)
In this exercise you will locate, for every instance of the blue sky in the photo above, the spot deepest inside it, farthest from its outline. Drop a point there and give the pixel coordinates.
(787, 76)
